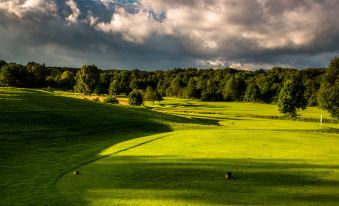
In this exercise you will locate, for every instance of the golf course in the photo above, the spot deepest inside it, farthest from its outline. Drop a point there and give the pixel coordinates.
(175, 152)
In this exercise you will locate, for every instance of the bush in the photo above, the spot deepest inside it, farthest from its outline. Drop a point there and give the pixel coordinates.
(111, 100)
(135, 98)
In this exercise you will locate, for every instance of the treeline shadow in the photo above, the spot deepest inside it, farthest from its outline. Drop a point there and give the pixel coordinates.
(202, 181)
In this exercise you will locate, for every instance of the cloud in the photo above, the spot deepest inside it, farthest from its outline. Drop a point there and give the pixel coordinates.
(217, 26)
(133, 27)
(23, 7)
(73, 17)
(155, 33)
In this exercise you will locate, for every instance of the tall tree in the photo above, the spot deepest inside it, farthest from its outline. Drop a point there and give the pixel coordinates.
(291, 96)
(87, 79)
(328, 96)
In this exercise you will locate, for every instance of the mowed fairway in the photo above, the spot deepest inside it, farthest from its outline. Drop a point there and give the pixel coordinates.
(175, 153)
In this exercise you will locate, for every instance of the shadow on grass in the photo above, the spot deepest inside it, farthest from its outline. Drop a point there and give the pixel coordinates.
(42, 136)
(192, 115)
(189, 105)
(127, 179)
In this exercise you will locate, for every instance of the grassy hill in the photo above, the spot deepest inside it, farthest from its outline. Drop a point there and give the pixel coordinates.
(42, 136)
(175, 153)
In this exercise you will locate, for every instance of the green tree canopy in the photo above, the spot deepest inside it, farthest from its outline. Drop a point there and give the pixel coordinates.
(231, 90)
(38, 74)
(87, 79)
(175, 87)
(114, 87)
(190, 90)
(2, 62)
(135, 98)
(67, 80)
(328, 95)
(13, 75)
(252, 93)
(151, 95)
(291, 96)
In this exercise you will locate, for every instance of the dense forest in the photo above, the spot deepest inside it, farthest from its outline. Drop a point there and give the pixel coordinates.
(290, 88)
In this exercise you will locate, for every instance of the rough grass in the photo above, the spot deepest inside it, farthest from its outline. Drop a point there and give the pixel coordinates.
(175, 153)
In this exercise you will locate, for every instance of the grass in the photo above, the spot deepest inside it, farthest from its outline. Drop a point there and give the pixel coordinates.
(175, 153)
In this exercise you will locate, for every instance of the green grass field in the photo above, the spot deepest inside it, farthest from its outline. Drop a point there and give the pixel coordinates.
(173, 153)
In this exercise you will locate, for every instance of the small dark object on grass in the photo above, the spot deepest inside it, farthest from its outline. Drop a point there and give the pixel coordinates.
(76, 172)
(96, 99)
(228, 175)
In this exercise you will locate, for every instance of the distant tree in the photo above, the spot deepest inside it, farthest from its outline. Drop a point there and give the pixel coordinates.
(207, 84)
(190, 90)
(114, 88)
(124, 81)
(252, 93)
(87, 79)
(312, 79)
(135, 84)
(37, 75)
(291, 96)
(210, 95)
(231, 90)
(207, 95)
(53, 77)
(328, 96)
(150, 95)
(13, 75)
(104, 83)
(2, 62)
(135, 98)
(328, 99)
(162, 86)
(311, 91)
(270, 84)
(175, 87)
(66, 80)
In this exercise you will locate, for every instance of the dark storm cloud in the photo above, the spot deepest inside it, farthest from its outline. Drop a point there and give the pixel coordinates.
(154, 34)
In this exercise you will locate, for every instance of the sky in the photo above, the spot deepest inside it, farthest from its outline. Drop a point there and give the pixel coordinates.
(163, 34)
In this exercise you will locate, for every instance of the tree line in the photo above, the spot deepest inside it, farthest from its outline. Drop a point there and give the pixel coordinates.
(291, 89)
